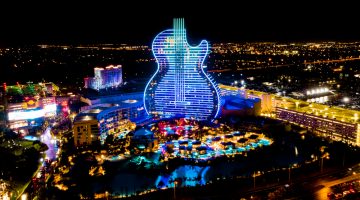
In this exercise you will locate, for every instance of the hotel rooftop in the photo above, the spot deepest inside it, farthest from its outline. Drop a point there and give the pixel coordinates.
(323, 111)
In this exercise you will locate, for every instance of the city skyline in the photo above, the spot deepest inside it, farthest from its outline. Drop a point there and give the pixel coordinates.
(107, 23)
(110, 101)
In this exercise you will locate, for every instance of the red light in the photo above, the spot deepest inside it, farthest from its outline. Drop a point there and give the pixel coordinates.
(64, 103)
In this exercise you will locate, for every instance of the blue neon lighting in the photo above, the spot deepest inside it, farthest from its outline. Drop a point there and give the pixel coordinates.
(188, 173)
(180, 85)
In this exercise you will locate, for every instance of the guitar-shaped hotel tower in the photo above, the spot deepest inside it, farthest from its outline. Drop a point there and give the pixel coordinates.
(180, 87)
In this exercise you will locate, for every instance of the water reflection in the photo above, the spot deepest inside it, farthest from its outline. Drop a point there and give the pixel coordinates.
(186, 175)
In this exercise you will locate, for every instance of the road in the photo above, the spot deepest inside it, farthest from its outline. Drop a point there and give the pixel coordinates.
(317, 186)
(327, 184)
(50, 141)
(311, 186)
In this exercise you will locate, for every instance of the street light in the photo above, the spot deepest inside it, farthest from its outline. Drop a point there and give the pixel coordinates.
(254, 176)
(289, 173)
(325, 155)
(322, 164)
(254, 179)
(290, 167)
(107, 194)
(175, 182)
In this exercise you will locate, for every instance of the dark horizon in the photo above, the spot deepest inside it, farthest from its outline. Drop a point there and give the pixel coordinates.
(112, 23)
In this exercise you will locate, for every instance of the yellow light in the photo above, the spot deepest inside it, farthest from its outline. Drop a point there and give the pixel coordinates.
(6, 197)
(24, 197)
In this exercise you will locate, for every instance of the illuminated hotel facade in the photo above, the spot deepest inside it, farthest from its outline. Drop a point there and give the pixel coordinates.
(334, 129)
(331, 122)
(180, 87)
(108, 115)
(110, 76)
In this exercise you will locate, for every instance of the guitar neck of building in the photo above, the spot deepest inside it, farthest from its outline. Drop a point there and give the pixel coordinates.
(180, 41)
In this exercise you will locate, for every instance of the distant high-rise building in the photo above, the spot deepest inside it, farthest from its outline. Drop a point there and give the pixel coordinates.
(110, 76)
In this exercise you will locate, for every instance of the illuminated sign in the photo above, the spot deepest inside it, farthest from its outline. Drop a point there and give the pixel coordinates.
(50, 110)
(48, 100)
(21, 115)
(18, 124)
(30, 103)
(64, 103)
(47, 111)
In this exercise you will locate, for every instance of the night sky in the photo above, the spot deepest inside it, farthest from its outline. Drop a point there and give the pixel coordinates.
(139, 22)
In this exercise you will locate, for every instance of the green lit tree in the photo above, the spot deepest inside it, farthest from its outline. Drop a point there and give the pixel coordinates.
(29, 89)
(14, 90)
